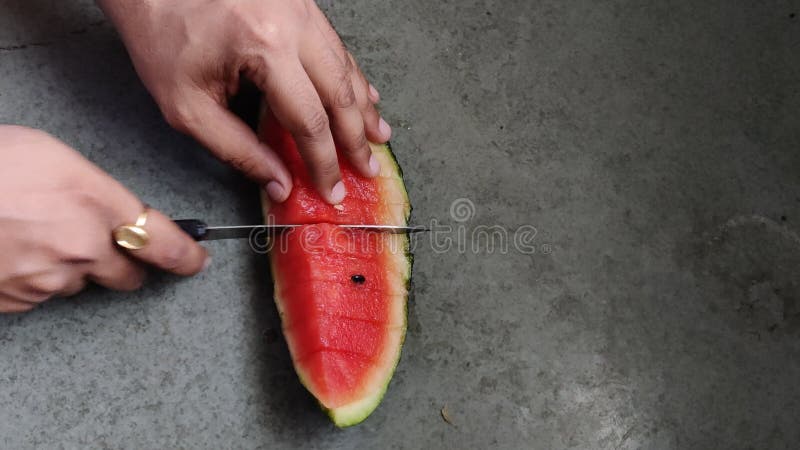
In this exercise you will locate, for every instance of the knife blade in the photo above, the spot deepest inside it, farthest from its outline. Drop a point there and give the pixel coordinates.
(200, 231)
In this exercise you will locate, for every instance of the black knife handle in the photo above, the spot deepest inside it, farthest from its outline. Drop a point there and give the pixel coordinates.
(193, 227)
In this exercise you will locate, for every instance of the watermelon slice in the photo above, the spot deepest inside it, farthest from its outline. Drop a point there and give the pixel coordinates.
(341, 294)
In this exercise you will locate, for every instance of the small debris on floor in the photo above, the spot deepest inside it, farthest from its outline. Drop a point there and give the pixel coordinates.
(446, 415)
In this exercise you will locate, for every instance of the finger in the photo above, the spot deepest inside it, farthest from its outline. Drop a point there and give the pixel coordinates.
(169, 248)
(376, 129)
(38, 288)
(74, 286)
(118, 271)
(233, 142)
(332, 78)
(374, 96)
(295, 103)
(10, 305)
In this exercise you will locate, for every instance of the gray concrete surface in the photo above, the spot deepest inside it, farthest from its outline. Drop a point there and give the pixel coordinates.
(655, 146)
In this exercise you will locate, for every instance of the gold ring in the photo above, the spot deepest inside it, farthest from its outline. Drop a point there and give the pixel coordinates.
(133, 237)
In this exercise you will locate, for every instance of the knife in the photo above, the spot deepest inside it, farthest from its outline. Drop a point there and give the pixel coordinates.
(200, 231)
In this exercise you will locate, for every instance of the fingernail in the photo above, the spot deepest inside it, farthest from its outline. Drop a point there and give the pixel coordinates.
(373, 94)
(337, 193)
(374, 167)
(276, 192)
(207, 263)
(385, 129)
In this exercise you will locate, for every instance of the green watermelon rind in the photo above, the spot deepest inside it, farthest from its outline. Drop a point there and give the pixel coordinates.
(388, 146)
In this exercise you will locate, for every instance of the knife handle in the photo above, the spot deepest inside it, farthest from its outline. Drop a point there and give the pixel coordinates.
(193, 227)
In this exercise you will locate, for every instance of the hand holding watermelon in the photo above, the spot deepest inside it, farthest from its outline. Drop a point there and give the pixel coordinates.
(190, 55)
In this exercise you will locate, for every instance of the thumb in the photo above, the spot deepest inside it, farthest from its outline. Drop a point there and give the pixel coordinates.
(233, 142)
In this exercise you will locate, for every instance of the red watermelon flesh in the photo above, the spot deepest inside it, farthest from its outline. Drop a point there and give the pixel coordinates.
(341, 293)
